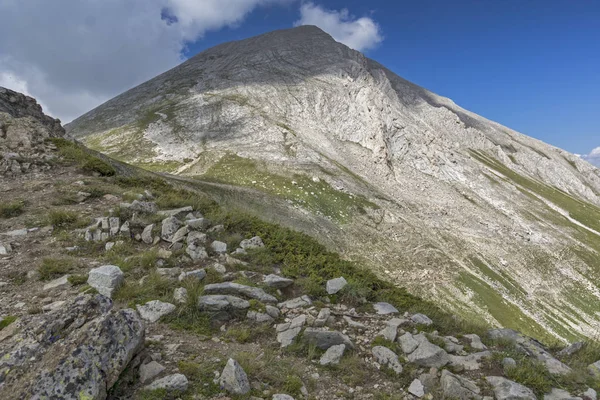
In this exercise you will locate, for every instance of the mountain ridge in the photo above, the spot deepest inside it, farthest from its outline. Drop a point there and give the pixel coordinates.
(424, 192)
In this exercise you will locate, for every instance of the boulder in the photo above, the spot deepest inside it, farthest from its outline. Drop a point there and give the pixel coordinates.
(146, 207)
(219, 247)
(196, 252)
(532, 348)
(333, 355)
(594, 369)
(475, 342)
(383, 308)
(198, 223)
(421, 319)
(170, 226)
(154, 310)
(106, 279)
(590, 394)
(298, 302)
(180, 295)
(469, 362)
(277, 281)
(408, 343)
(239, 290)
(457, 387)
(233, 378)
(505, 389)
(571, 349)
(325, 339)
(282, 397)
(416, 388)
(335, 285)
(391, 329)
(559, 394)
(322, 317)
(287, 332)
(252, 243)
(428, 354)
(196, 238)
(170, 383)
(195, 274)
(61, 282)
(219, 302)
(175, 212)
(272, 311)
(387, 357)
(147, 234)
(150, 371)
(5, 249)
(180, 235)
(76, 352)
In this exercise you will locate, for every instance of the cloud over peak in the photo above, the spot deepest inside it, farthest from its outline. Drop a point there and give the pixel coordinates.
(593, 157)
(358, 33)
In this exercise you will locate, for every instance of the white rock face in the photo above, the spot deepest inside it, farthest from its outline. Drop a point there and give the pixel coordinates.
(106, 279)
(438, 181)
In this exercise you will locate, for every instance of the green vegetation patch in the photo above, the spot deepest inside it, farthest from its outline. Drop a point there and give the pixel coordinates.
(73, 152)
(52, 268)
(11, 209)
(6, 321)
(316, 196)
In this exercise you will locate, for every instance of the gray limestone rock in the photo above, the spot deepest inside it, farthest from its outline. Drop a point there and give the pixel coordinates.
(282, 397)
(233, 378)
(277, 281)
(590, 394)
(150, 371)
(219, 302)
(198, 223)
(428, 355)
(106, 279)
(175, 212)
(505, 389)
(384, 308)
(96, 344)
(195, 274)
(469, 362)
(58, 283)
(457, 387)
(333, 355)
(252, 243)
(146, 207)
(559, 394)
(153, 310)
(475, 342)
(180, 295)
(325, 339)
(416, 388)
(196, 252)
(219, 247)
(147, 234)
(170, 226)
(170, 383)
(239, 290)
(298, 302)
(421, 319)
(387, 357)
(335, 285)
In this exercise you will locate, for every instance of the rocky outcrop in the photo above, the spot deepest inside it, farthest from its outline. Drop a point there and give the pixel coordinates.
(76, 352)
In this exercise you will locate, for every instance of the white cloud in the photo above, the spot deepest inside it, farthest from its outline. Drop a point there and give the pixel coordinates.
(74, 54)
(358, 33)
(593, 157)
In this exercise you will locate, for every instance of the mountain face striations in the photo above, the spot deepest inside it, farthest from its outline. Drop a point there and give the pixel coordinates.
(481, 219)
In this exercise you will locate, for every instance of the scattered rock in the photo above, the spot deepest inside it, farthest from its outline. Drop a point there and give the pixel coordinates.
(150, 371)
(326, 339)
(427, 354)
(170, 383)
(58, 283)
(508, 362)
(272, 311)
(475, 342)
(421, 319)
(233, 378)
(180, 295)
(196, 274)
(322, 317)
(590, 394)
(416, 388)
(106, 279)
(282, 397)
(174, 212)
(239, 290)
(298, 302)
(145, 207)
(170, 226)
(335, 285)
(219, 302)
(287, 332)
(5, 249)
(198, 223)
(333, 355)
(153, 310)
(571, 349)
(252, 243)
(388, 358)
(180, 235)
(147, 234)
(391, 329)
(219, 247)
(383, 308)
(196, 252)
(505, 389)
(595, 368)
(277, 281)
(196, 238)
(457, 387)
(259, 317)
(559, 394)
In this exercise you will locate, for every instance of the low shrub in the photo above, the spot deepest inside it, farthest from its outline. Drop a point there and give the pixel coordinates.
(11, 209)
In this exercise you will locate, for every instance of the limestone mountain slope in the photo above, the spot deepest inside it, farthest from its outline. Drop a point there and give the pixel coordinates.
(484, 220)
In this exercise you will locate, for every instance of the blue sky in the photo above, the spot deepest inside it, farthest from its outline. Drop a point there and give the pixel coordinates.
(531, 65)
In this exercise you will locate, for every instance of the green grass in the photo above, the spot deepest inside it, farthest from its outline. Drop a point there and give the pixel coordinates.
(154, 287)
(52, 268)
(62, 219)
(12, 209)
(7, 321)
(73, 152)
(77, 280)
(318, 197)
(188, 317)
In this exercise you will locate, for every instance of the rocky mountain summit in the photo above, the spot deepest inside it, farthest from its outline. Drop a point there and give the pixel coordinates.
(119, 284)
(304, 131)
